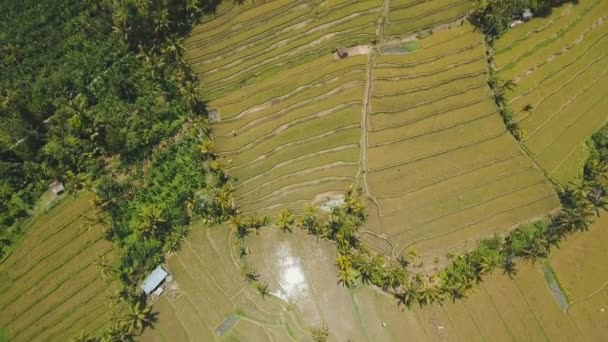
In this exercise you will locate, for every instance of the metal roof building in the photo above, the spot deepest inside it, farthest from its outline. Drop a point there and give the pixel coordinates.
(154, 280)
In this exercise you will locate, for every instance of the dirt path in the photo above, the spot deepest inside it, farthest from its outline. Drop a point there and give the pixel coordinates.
(366, 110)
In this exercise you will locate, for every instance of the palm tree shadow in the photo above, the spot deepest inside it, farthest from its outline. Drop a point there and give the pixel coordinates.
(151, 320)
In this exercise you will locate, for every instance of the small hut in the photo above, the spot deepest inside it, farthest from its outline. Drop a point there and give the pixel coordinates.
(342, 53)
(154, 281)
(527, 15)
(214, 115)
(57, 187)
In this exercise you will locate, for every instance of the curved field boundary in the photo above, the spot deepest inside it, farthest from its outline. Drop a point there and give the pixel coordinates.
(236, 25)
(449, 67)
(518, 94)
(475, 186)
(293, 124)
(425, 12)
(447, 177)
(6, 287)
(478, 204)
(437, 130)
(453, 79)
(51, 271)
(82, 286)
(37, 247)
(486, 218)
(296, 143)
(269, 70)
(436, 99)
(296, 174)
(336, 84)
(442, 152)
(564, 105)
(301, 78)
(306, 39)
(433, 114)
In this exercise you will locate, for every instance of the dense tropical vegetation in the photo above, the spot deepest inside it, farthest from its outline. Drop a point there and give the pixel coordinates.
(107, 83)
(495, 16)
(104, 100)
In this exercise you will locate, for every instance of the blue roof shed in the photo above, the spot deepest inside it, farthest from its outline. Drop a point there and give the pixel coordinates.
(154, 280)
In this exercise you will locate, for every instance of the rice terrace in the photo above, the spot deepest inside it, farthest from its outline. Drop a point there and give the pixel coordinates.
(304, 170)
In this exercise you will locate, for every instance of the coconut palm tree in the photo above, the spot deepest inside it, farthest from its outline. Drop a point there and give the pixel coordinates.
(407, 297)
(285, 220)
(345, 276)
(369, 267)
(139, 317)
(150, 218)
(429, 295)
(310, 221)
(320, 334)
(262, 288)
(394, 276)
(83, 337)
(249, 274)
(106, 270)
(205, 147)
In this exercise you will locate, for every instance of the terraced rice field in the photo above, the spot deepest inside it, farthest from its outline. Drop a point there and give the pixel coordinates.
(581, 270)
(290, 114)
(410, 16)
(560, 66)
(50, 288)
(211, 301)
(419, 131)
(301, 275)
(441, 169)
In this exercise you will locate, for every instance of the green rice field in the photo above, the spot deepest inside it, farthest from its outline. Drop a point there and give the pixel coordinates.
(560, 68)
(51, 289)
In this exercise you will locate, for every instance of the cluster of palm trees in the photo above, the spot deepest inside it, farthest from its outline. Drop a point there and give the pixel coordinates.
(499, 89)
(125, 328)
(581, 202)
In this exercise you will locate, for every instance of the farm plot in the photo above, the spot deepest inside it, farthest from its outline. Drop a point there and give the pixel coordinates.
(442, 171)
(560, 67)
(289, 113)
(243, 46)
(210, 300)
(410, 16)
(503, 309)
(580, 266)
(51, 289)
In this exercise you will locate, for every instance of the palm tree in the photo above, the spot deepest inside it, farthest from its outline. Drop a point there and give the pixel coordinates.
(345, 266)
(369, 267)
(139, 317)
(115, 333)
(407, 297)
(161, 21)
(107, 271)
(206, 149)
(394, 276)
(249, 274)
(174, 48)
(310, 221)
(223, 200)
(262, 288)
(487, 264)
(150, 218)
(285, 220)
(429, 295)
(575, 219)
(83, 337)
(320, 334)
